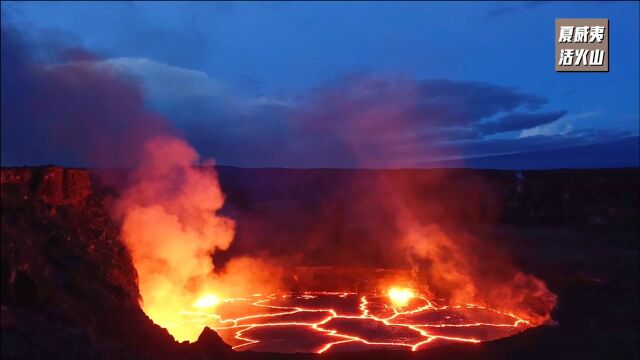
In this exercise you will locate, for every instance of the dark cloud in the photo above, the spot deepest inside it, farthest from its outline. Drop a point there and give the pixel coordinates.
(438, 102)
(72, 113)
(68, 115)
(355, 120)
(386, 121)
(365, 120)
(518, 121)
(450, 102)
(539, 142)
(621, 152)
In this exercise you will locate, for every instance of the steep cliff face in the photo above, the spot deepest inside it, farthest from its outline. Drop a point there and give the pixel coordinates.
(68, 284)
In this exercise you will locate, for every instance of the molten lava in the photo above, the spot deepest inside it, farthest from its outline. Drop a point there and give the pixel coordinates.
(207, 301)
(339, 321)
(400, 296)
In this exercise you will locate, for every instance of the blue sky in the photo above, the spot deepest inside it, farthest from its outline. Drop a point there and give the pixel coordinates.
(440, 80)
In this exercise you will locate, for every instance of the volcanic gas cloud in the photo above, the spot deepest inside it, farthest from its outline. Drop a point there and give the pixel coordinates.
(170, 225)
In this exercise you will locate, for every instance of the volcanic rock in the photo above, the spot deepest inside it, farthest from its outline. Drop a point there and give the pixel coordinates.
(69, 288)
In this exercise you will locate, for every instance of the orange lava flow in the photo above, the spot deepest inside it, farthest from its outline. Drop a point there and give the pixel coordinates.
(356, 321)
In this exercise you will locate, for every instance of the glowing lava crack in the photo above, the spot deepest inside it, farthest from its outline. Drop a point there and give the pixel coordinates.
(344, 321)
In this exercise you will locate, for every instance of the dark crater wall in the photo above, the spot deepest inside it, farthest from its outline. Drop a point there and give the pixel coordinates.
(69, 289)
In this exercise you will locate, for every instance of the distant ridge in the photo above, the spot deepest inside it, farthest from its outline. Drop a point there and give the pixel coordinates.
(624, 153)
(617, 154)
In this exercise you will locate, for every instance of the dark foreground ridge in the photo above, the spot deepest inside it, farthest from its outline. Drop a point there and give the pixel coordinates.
(69, 289)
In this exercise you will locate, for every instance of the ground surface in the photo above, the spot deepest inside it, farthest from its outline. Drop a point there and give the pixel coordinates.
(318, 322)
(69, 289)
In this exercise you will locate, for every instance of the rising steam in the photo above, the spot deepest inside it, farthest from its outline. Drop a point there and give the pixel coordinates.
(449, 269)
(171, 227)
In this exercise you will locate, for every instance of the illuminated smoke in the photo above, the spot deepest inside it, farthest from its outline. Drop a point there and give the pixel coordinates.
(375, 118)
(171, 227)
(455, 271)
